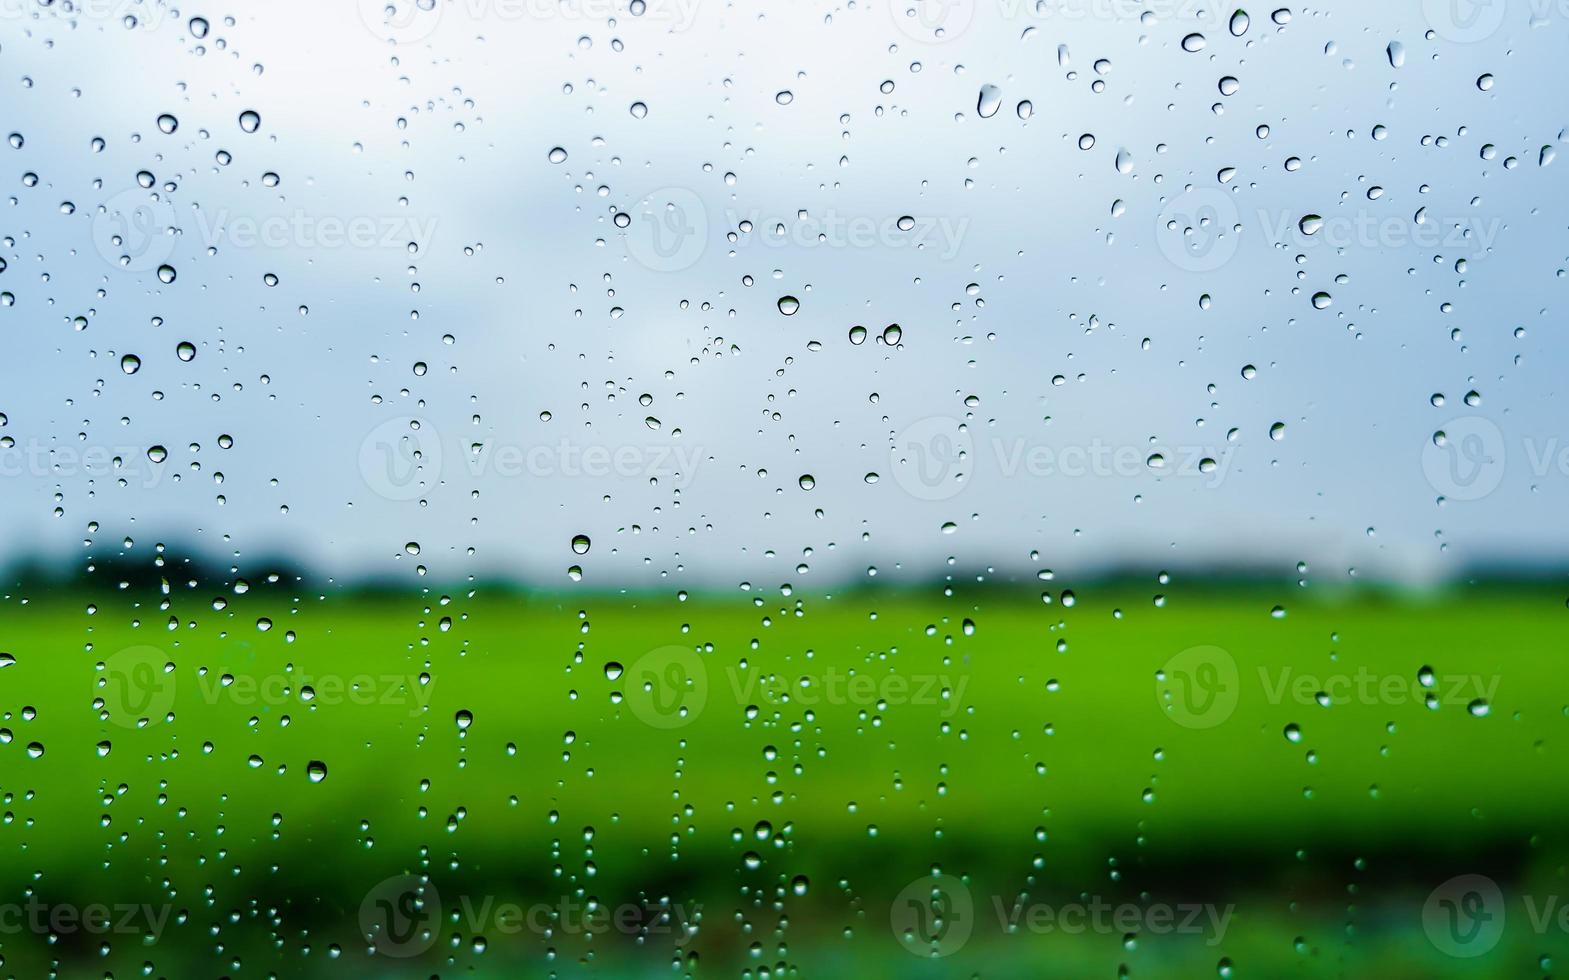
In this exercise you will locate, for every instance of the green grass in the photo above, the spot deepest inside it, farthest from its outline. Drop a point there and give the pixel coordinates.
(1050, 767)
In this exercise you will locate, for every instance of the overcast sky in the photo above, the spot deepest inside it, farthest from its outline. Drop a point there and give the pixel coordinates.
(1205, 298)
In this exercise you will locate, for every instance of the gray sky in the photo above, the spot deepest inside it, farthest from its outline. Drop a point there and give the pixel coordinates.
(1125, 274)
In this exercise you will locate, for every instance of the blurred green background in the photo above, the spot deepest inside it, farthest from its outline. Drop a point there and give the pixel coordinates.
(784, 772)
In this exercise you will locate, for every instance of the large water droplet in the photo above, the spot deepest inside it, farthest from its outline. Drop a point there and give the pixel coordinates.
(990, 99)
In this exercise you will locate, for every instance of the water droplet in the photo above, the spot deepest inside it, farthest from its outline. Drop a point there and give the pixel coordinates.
(250, 120)
(580, 544)
(130, 364)
(990, 99)
(1193, 43)
(167, 124)
(788, 305)
(557, 155)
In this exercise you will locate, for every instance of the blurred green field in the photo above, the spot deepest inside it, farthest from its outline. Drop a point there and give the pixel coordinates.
(532, 749)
